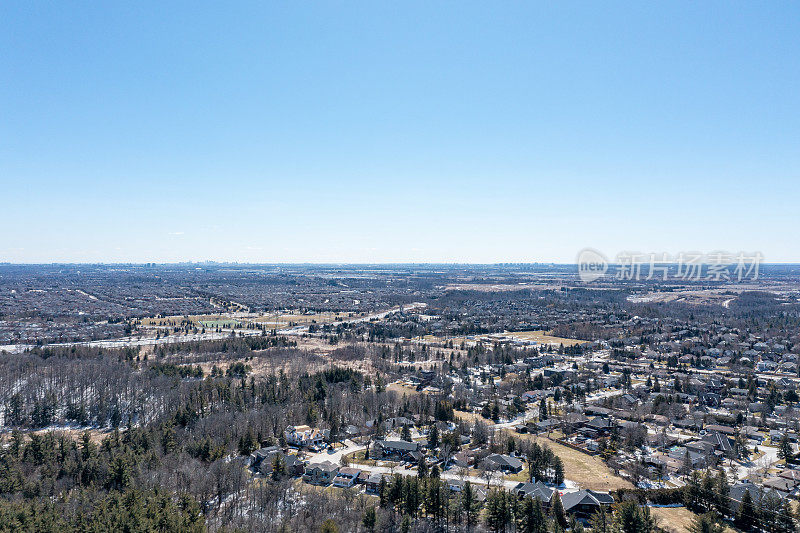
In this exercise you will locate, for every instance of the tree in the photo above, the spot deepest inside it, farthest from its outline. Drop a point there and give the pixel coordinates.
(601, 521)
(433, 437)
(278, 467)
(632, 518)
(469, 505)
(785, 448)
(383, 492)
(558, 471)
(405, 434)
(498, 510)
(329, 526)
(746, 516)
(722, 493)
(531, 517)
(557, 511)
(247, 443)
(368, 519)
(706, 523)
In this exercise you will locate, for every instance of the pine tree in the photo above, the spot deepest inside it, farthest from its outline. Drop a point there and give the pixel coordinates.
(601, 521)
(531, 517)
(632, 518)
(786, 521)
(723, 492)
(557, 511)
(383, 493)
(369, 519)
(558, 471)
(498, 510)
(329, 526)
(469, 505)
(785, 449)
(433, 437)
(746, 516)
(706, 523)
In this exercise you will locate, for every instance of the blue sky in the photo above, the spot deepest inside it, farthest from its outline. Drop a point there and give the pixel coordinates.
(383, 132)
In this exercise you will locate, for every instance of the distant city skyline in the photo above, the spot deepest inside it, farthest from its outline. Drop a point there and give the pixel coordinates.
(380, 133)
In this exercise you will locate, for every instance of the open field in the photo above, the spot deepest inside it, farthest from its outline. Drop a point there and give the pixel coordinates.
(220, 323)
(677, 519)
(589, 472)
(542, 337)
(502, 287)
(96, 436)
(401, 389)
(673, 519)
(274, 320)
(472, 417)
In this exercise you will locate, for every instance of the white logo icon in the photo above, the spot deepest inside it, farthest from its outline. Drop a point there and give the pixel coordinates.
(592, 265)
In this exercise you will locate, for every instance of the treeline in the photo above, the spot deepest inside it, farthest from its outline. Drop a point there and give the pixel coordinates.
(426, 503)
(182, 436)
(239, 345)
(709, 495)
(131, 510)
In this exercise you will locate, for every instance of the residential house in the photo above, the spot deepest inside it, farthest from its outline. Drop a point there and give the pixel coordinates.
(346, 477)
(584, 503)
(305, 436)
(320, 473)
(504, 463)
(398, 449)
(534, 490)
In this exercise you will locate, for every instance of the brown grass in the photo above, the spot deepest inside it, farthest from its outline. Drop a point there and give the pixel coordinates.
(589, 472)
(673, 519)
(542, 337)
(472, 417)
(401, 389)
(677, 519)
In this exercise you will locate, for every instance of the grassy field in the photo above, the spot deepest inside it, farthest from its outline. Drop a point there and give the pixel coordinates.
(542, 337)
(273, 320)
(401, 389)
(358, 458)
(677, 519)
(589, 472)
(221, 323)
(472, 417)
(673, 519)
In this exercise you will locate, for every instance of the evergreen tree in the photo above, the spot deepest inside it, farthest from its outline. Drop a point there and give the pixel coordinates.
(632, 518)
(786, 520)
(722, 493)
(601, 522)
(558, 471)
(531, 517)
(746, 515)
(470, 507)
(706, 523)
(278, 467)
(433, 437)
(368, 520)
(785, 449)
(557, 511)
(498, 510)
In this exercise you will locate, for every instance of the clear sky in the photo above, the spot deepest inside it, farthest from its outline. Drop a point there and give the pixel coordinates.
(397, 131)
